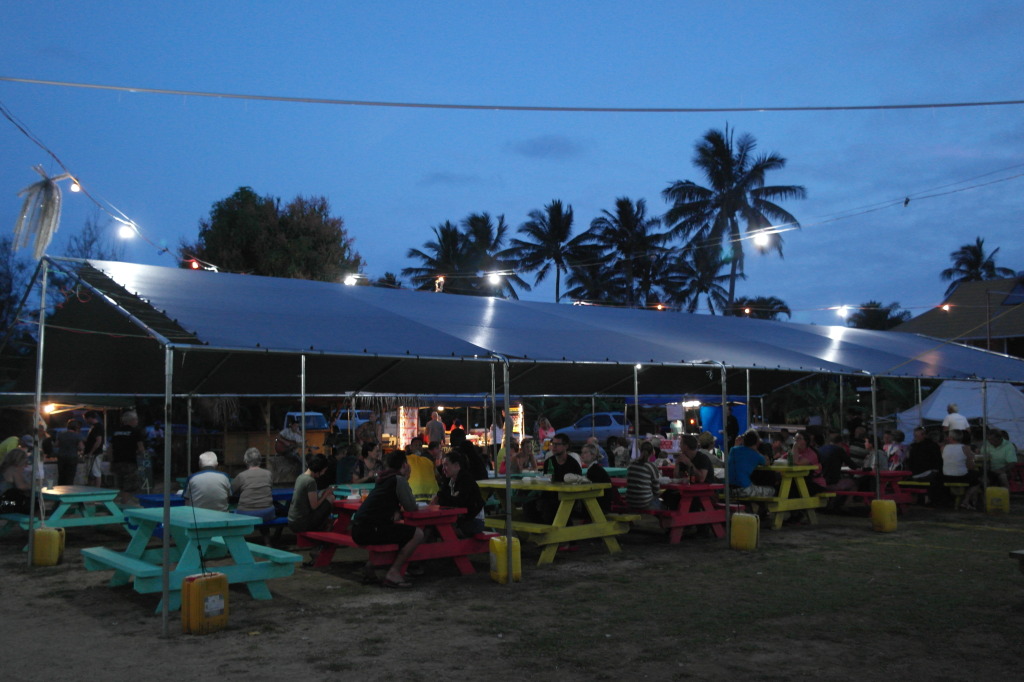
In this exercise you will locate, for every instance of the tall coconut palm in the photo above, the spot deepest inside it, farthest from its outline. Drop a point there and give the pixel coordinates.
(736, 194)
(972, 264)
(550, 245)
(446, 256)
(484, 240)
(760, 307)
(632, 241)
(695, 272)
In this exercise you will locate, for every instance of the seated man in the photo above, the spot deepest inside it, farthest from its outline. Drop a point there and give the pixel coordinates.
(311, 508)
(642, 484)
(208, 488)
(742, 461)
(693, 464)
(460, 490)
(374, 523)
(1001, 455)
(542, 509)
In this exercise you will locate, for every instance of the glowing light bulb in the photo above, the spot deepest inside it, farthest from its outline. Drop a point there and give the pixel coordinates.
(75, 187)
(761, 239)
(48, 408)
(843, 311)
(946, 307)
(494, 278)
(350, 280)
(126, 232)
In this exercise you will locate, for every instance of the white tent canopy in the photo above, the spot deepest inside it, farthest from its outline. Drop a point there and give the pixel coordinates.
(1003, 404)
(244, 335)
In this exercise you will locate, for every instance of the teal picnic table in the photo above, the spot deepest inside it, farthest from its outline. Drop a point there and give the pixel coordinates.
(81, 505)
(198, 535)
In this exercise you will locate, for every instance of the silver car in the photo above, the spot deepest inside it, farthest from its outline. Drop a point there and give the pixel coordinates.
(604, 425)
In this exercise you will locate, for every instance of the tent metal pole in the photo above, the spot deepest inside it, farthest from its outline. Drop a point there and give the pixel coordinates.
(165, 574)
(748, 399)
(842, 412)
(874, 438)
(636, 403)
(37, 445)
(506, 439)
(593, 409)
(920, 410)
(984, 433)
(302, 411)
(725, 450)
(188, 438)
(493, 432)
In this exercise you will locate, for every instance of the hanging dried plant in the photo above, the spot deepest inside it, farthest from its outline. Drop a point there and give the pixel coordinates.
(40, 213)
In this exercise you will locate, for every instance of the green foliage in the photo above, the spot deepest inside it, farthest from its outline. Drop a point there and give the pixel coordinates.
(874, 315)
(252, 234)
(972, 264)
(458, 261)
(711, 216)
(759, 307)
(632, 247)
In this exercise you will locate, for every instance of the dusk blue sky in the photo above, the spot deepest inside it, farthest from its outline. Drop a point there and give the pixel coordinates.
(392, 174)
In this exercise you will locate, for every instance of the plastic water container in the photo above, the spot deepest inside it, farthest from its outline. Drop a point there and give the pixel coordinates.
(744, 531)
(47, 546)
(204, 603)
(883, 516)
(499, 560)
(997, 500)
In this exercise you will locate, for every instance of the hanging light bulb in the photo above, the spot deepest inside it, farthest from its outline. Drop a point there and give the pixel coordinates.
(126, 231)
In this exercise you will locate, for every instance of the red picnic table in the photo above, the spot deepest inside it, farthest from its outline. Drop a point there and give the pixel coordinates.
(889, 487)
(442, 519)
(698, 506)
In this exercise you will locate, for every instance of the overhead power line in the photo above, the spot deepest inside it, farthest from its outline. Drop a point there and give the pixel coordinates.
(510, 107)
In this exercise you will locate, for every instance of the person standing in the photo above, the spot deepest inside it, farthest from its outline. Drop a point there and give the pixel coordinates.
(69, 450)
(435, 429)
(93, 447)
(954, 420)
(421, 472)
(127, 445)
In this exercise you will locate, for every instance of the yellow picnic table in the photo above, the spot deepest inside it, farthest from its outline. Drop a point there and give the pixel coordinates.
(549, 537)
(782, 502)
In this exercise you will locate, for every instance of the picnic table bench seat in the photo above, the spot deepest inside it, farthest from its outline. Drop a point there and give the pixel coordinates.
(1019, 556)
(101, 558)
(13, 519)
(958, 488)
(384, 555)
(278, 556)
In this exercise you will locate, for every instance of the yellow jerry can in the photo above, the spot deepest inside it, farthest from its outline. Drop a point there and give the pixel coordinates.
(883, 516)
(47, 546)
(499, 560)
(745, 531)
(204, 603)
(997, 500)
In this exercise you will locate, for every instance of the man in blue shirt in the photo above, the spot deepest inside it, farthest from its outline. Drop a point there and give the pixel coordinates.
(742, 461)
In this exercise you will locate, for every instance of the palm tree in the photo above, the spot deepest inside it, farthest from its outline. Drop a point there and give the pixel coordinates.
(874, 315)
(695, 273)
(760, 307)
(736, 193)
(971, 264)
(593, 283)
(446, 256)
(629, 236)
(484, 240)
(550, 245)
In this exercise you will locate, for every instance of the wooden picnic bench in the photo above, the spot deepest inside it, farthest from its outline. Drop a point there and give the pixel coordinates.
(921, 488)
(449, 545)
(777, 505)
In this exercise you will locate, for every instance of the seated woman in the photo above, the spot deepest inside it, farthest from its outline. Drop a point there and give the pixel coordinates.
(590, 457)
(460, 490)
(513, 445)
(369, 467)
(252, 487)
(642, 484)
(804, 454)
(527, 456)
(15, 488)
(958, 467)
